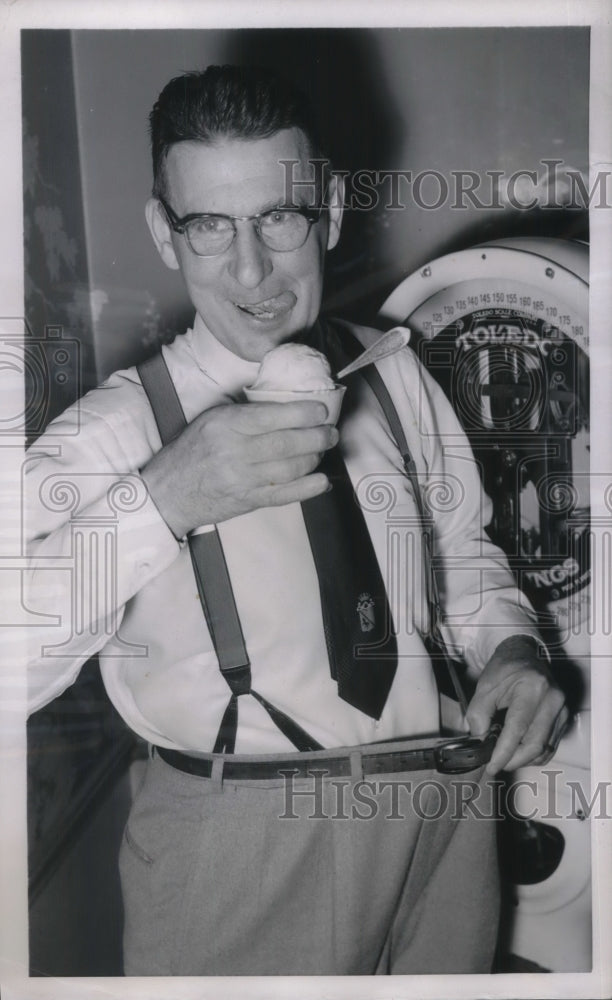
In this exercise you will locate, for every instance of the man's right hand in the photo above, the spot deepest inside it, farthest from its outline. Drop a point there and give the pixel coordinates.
(236, 458)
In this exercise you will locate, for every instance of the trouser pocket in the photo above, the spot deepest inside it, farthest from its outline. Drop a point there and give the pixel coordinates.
(156, 864)
(133, 844)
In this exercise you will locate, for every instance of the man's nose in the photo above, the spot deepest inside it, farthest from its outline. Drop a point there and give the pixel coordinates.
(250, 260)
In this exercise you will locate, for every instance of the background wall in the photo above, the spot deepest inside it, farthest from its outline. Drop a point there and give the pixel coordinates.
(419, 100)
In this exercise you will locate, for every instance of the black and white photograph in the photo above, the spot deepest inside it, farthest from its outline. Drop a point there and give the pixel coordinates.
(307, 548)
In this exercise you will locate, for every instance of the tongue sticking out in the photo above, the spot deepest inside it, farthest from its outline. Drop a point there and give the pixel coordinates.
(272, 308)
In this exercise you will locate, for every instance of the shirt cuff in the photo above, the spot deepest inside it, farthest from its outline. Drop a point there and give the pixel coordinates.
(538, 643)
(145, 545)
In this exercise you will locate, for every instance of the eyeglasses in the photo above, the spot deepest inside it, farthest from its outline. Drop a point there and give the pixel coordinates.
(281, 229)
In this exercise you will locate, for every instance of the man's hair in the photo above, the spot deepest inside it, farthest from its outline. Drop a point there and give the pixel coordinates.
(225, 102)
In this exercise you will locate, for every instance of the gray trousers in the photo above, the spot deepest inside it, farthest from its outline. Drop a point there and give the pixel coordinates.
(319, 876)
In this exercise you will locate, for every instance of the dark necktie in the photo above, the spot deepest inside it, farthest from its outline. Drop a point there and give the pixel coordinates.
(361, 645)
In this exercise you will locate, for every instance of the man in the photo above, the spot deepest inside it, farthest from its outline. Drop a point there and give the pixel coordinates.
(264, 840)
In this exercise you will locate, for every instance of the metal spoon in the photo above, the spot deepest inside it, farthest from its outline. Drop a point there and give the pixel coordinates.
(388, 344)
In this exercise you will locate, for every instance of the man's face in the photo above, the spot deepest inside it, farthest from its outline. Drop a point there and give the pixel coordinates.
(250, 297)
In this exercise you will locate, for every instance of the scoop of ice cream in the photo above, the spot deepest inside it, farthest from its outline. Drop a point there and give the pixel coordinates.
(294, 367)
(292, 373)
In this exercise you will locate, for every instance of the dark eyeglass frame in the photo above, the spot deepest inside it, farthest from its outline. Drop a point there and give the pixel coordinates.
(179, 225)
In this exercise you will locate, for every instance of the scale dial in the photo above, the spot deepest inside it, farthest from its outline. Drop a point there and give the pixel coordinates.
(543, 280)
(503, 327)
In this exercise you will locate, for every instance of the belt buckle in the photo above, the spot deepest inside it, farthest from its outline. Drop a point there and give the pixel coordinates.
(467, 753)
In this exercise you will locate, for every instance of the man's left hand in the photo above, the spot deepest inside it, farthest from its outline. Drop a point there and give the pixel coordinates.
(517, 678)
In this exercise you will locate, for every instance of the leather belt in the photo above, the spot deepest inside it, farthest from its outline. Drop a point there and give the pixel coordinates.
(456, 756)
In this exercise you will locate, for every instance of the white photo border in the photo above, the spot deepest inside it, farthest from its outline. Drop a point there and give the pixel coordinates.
(133, 14)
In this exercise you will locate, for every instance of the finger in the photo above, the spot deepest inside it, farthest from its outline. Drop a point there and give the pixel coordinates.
(559, 729)
(287, 471)
(545, 757)
(480, 711)
(294, 492)
(522, 748)
(519, 716)
(287, 444)
(528, 752)
(548, 753)
(257, 418)
(541, 741)
(562, 725)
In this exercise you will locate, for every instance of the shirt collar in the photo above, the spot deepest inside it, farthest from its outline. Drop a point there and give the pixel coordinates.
(226, 369)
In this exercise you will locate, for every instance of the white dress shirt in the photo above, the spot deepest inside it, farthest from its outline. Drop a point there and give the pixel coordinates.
(108, 576)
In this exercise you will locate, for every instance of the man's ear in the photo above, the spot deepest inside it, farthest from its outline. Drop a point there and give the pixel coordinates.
(335, 196)
(161, 233)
